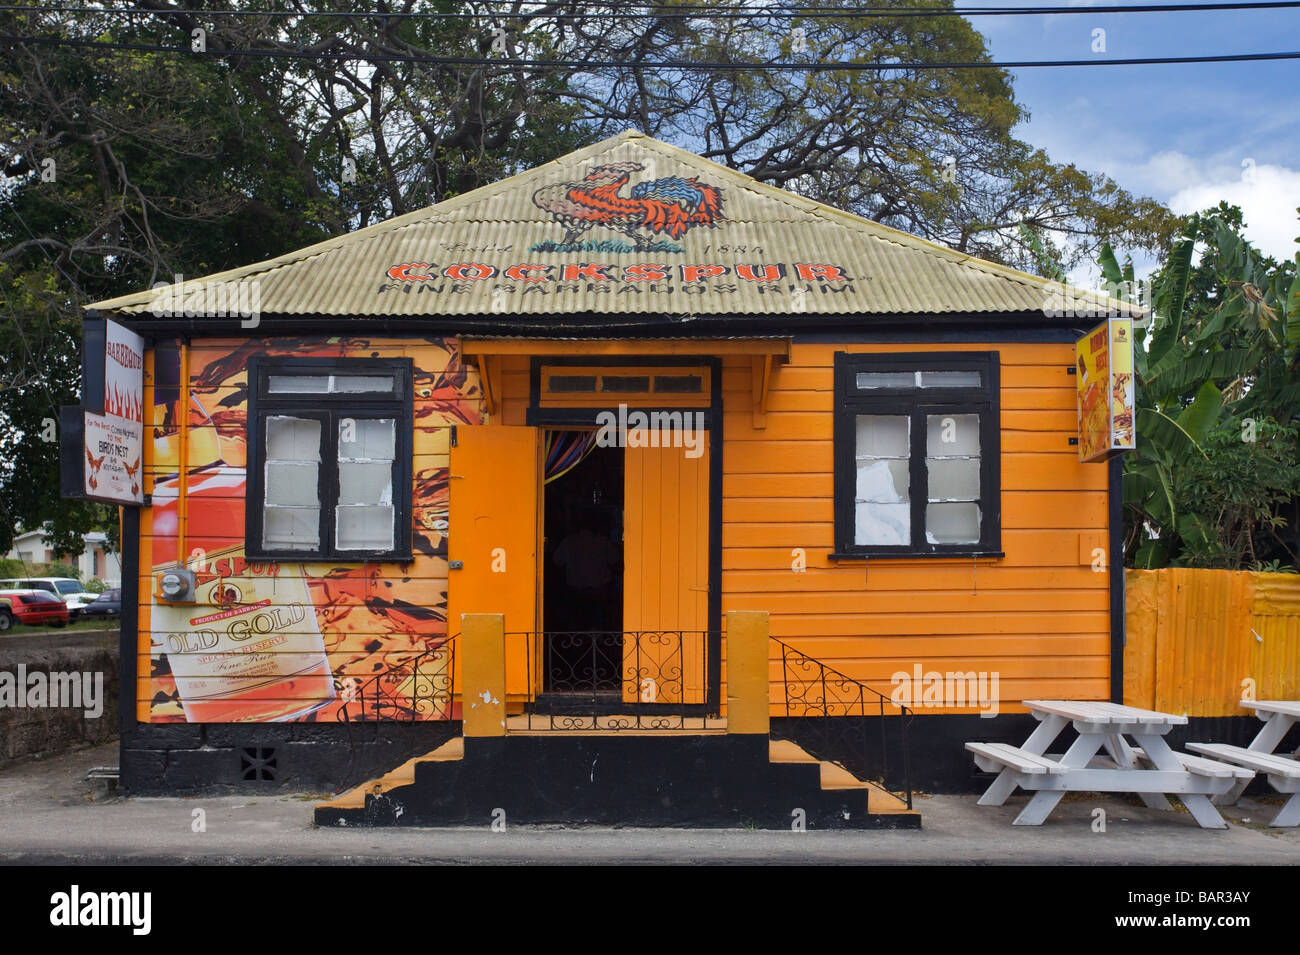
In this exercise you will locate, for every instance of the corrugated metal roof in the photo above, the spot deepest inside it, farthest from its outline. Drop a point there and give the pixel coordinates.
(653, 229)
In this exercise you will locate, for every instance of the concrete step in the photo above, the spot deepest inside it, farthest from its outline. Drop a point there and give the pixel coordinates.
(833, 777)
(403, 775)
(605, 776)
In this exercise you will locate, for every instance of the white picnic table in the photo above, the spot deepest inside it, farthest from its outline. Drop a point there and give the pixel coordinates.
(1283, 771)
(1148, 767)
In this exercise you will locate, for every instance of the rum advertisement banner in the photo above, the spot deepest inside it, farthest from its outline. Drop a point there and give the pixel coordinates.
(1104, 379)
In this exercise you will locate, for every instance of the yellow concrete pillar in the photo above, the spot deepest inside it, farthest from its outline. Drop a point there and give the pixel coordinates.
(482, 653)
(747, 672)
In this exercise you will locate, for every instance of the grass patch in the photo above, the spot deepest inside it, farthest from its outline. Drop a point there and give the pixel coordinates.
(19, 629)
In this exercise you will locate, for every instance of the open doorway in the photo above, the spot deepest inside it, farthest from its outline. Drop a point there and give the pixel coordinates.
(582, 600)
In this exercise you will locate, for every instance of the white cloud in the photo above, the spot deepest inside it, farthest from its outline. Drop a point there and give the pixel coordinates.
(1267, 193)
(1268, 196)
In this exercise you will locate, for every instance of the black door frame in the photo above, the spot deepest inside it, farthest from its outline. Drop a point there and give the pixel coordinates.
(548, 417)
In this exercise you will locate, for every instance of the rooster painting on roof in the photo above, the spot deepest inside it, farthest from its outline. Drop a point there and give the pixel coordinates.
(669, 206)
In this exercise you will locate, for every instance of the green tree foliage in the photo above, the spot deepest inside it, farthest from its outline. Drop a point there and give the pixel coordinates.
(1217, 467)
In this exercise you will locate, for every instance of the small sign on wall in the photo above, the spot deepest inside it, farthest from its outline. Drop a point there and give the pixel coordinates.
(1104, 379)
(103, 439)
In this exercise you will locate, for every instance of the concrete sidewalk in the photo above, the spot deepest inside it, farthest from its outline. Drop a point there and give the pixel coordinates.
(48, 813)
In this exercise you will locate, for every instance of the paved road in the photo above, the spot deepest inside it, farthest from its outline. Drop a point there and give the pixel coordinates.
(49, 814)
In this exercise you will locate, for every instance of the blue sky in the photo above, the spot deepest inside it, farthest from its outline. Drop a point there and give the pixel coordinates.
(1188, 135)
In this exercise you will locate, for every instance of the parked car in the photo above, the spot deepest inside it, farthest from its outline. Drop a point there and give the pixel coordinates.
(107, 605)
(68, 589)
(31, 607)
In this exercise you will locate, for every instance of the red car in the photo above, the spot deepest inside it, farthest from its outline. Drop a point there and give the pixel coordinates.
(32, 607)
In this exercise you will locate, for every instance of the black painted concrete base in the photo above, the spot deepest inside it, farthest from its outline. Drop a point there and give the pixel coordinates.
(182, 758)
(671, 780)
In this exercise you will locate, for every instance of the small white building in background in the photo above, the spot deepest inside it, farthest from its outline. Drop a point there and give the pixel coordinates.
(95, 561)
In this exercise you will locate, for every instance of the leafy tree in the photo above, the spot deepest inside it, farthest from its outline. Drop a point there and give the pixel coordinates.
(1218, 404)
(1233, 496)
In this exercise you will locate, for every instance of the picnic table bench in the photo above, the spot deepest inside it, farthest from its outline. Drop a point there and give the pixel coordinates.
(1150, 769)
(1283, 772)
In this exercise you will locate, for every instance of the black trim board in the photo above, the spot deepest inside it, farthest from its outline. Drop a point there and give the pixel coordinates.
(128, 640)
(1115, 518)
(918, 326)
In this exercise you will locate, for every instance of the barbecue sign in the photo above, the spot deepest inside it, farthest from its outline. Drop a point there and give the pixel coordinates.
(104, 437)
(1104, 364)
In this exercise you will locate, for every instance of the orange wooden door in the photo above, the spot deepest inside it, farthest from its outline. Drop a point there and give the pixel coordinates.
(666, 573)
(492, 531)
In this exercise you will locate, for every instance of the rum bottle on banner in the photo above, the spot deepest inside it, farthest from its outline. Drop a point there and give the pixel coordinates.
(250, 649)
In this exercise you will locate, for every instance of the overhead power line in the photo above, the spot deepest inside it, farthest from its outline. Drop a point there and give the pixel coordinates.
(675, 11)
(740, 67)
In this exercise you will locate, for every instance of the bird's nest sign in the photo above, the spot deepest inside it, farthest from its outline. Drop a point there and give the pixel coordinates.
(103, 438)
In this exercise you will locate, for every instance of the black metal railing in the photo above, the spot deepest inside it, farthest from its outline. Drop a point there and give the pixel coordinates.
(616, 680)
(830, 715)
(418, 687)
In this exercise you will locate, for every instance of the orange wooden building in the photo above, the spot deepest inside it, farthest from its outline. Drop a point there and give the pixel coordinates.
(612, 398)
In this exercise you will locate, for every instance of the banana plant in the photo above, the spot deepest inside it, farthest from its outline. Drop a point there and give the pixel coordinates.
(1226, 352)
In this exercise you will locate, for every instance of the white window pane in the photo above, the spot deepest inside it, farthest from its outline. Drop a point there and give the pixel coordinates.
(952, 434)
(291, 528)
(886, 379)
(882, 524)
(365, 482)
(884, 480)
(952, 523)
(883, 436)
(953, 479)
(329, 384)
(352, 384)
(292, 482)
(299, 384)
(366, 439)
(365, 527)
(950, 379)
(292, 439)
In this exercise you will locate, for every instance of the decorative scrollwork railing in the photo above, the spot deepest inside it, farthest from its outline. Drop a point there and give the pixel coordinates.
(416, 688)
(829, 715)
(618, 680)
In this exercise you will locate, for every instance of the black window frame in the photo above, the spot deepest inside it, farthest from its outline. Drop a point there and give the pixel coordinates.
(916, 403)
(330, 409)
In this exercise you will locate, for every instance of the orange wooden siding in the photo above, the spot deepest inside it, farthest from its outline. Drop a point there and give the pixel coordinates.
(666, 564)
(1038, 617)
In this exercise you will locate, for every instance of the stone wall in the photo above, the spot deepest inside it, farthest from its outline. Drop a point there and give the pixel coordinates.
(26, 665)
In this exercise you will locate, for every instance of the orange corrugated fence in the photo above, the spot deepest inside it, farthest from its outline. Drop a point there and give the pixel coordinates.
(1201, 640)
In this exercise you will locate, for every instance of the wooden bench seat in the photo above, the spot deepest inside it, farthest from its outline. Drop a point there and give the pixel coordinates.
(1283, 775)
(1269, 763)
(987, 755)
(1200, 766)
